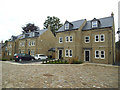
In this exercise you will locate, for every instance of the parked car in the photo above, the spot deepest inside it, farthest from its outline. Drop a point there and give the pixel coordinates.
(40, 56)
(21, 56)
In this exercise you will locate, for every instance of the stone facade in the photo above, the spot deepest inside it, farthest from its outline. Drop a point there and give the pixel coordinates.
(30, 45)
(101, 51)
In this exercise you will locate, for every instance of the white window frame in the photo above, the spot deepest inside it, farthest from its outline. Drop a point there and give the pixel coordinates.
(59, 39)
(66, 26)
(103, 37)
(98, 38)
(72, 39)
(69, 53)
(29, 43)
(86, 39)
(94, 23)
(65, 53)
(103, 54)
(66, 39)
(98, 54)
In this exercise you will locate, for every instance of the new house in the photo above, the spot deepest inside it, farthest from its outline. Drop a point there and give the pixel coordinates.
(88, 41)
(36, 42)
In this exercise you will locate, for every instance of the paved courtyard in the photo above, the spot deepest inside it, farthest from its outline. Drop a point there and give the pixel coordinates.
(36, 75)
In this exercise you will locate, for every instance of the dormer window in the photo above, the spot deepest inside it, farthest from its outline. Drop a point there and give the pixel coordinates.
(94, 24)
(66, 26)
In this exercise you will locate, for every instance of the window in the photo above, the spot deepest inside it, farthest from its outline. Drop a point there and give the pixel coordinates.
(22, 43)
(94, 24)
(9, 53)
(29, 43)
(87, 39)
(32, 52)
(67, 38)
(70, 53)
(66, 26)
(102, 37)
(71, 38)
(97, 54)
(66, 53)
(33, 34)
(96, 38)
(22, 51)
(102, 54)
(60, 39)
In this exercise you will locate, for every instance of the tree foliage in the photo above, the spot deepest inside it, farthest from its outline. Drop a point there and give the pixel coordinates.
(53, 22)
(30, 27)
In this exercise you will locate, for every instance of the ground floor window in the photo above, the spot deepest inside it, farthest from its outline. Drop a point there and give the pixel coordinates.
(100, 54)
(9, 53)
(32, 52)
(68, 53)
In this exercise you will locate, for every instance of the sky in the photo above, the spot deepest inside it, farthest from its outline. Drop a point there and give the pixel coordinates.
(15, 14)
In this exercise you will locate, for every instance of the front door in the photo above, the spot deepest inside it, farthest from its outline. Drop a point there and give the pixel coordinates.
(29, 52)
(60, 54)
(87, 55)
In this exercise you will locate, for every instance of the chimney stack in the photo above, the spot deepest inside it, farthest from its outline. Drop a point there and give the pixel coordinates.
(112, 14)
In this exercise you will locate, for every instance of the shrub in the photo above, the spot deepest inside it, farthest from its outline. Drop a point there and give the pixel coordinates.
(4, 59)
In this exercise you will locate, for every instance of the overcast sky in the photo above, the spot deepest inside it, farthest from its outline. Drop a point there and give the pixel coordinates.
(16, 13)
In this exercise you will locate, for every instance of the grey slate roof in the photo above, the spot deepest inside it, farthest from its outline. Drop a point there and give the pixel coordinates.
(104, 22)
(40, 32)
(76, 25)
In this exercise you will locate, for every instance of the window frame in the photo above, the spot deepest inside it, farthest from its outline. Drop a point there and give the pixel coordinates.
(103, 54)
(66, 26)
(59, 39)
(98, 54)
(69, 38)
(103, 37)
(85, 39)
(65, 53)
(94, 23)
(66, 39)
(98, 38)
(69, 52)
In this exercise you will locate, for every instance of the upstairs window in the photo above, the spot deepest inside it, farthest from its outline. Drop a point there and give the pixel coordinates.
(87, 39)
(96, 38)
(94, 24)
(29, 43)
(60, 39)
(71, 38)
(66, 26)
(67, 38)
(102, 37)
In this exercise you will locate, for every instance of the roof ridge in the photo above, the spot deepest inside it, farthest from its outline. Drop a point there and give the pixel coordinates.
(78, 20)
(102, 18)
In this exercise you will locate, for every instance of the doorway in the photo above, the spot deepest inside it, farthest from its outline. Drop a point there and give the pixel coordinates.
(87, 55)
(60, 54)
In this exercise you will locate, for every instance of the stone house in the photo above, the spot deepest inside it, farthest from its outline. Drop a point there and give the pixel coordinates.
(37, 42)
(88, 41)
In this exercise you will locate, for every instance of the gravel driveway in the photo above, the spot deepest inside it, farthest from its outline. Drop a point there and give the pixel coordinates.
(38, 75)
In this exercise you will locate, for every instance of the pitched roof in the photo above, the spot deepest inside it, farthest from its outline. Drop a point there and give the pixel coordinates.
(40, 32)
(104, 22)
(76, 25)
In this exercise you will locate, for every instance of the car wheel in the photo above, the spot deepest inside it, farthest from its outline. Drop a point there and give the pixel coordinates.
(39, 58)
(32, 59)
(20, 60)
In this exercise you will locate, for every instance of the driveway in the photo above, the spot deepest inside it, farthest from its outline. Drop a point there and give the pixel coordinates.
(59, 76)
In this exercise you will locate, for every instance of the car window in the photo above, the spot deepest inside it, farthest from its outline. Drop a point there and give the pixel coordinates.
(42, 55)
(36, 55)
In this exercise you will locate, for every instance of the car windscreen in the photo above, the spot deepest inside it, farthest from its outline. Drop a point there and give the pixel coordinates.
(42, 55)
